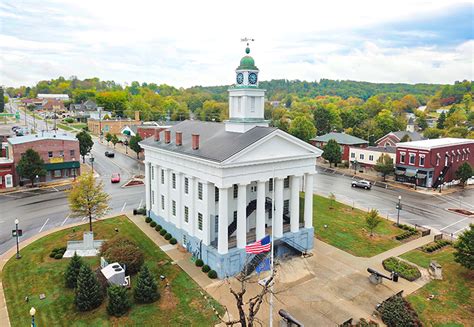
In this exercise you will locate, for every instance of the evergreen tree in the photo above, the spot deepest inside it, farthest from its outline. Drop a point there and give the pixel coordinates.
(441, 120)
(88, 290)
(146, 290)
(119, 303)
(464, 254)
(31, 165)
(332, 152)
(72, 271)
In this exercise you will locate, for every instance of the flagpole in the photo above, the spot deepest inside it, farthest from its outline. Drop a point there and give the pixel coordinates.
(271, 255)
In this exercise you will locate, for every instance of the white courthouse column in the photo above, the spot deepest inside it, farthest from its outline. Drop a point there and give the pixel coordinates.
(222, 239)
(260, 217)
(179, 200)
(308, 201)
(278, 219)
(242, 216)
(295, 203)
(192, 213)
(147, 186)
(166, 193)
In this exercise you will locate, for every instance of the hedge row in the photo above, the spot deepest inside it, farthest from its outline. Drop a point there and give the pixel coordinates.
(405, 270)
(436, 246)
(57, 253)
(212, 274)
(406, 227)
(405, 235)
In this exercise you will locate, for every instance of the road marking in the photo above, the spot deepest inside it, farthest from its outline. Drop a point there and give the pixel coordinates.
(43, 225)
(140, 205)
(55, 189)
(67, 217)
(84, 218)
(453, 224)
(460, 230)
(123, 208)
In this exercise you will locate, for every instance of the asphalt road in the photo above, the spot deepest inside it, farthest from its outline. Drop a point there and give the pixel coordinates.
(417, 208)
(43, 209)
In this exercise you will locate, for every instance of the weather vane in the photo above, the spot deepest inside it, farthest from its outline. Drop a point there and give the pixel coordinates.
(246, 39)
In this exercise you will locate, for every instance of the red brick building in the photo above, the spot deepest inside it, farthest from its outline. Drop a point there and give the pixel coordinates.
(344, 140)
(6, 173)
(429, 163)
(60, 152)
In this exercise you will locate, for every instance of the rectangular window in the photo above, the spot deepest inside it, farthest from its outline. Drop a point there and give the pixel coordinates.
(422, 161)
(199, 221)
(185, 240)
(236, 190)
(162, 202)
(50, 154)
(361, 156)
(61, 153)
(162, 176)
(371, 157)
(437, 161)
(252, 104)
(457, 157)
(353, 155)
(71, 153)
(402, 157)
(286, 182)
(173, 205)
(57, 173)
(286, 207)
(152, 171)
(412, 158)
(186, 185)
(153, 197)
(270, 184)
(200, 191)
(216, 194)
(235, 215)
(186, 214)
(173, 176)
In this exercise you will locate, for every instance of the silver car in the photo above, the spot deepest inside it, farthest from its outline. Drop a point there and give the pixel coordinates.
(362, 184)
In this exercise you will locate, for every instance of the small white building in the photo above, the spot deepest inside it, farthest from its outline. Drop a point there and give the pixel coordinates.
(211, 184)
(367, 157)
(62, 97)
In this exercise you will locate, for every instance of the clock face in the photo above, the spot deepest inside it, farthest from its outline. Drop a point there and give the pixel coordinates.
(253, 78)
(240, 78)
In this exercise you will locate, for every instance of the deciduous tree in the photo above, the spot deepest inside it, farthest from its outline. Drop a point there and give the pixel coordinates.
(85, 144)
(108, 138)
(135, 146)
(464, 172)
(30, 166)
(303, 128)
(114, 140)
(88, 199)
(384, 165)
(372, 220)
(464, 246)
(332, 152)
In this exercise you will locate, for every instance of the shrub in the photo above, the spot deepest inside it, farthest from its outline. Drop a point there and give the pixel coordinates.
(58, 255)
(405, 270)
(212, 274)
(123, 250)
(173, 241)
(163, 232)
(406, 227)
(436, 246)
(397, 312)
(405, 235)
(168, 236)
(148, 220)
(158, 228)
(72, 271)
(205, 268)
(119, 302)
(141, 211)
(88, 291)
(153, 224)
(146, 289)
(52, 254)
(69, 120)
(199, 263)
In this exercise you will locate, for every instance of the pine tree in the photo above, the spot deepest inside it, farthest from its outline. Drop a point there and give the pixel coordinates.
(88, 291)
(119, 303)
(146, 290)
(72, 271)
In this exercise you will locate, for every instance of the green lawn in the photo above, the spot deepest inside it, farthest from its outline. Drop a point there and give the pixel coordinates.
(36, 273)
(78, 125)
(347, 230)
(453, 301)
(65, 127)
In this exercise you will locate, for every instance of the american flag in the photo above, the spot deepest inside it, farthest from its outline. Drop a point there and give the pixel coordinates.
(260, 246)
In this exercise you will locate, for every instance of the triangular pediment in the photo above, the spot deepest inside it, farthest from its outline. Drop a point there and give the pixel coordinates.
(278, 145)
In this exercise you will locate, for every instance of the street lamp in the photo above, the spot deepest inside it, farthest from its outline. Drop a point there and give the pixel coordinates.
(18, 256)
(91, 159)
(37, 179)
(355, 166)
(399, 207)
(32, 314)
(74, 169)
(440, 181)
(126, 146)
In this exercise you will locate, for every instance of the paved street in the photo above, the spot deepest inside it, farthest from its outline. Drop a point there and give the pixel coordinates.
(421, 209)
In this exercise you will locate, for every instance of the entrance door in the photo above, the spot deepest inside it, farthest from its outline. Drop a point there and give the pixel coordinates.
(446, 160)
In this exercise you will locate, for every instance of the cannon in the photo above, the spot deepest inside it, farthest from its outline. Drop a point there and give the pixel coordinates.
(376, 277)
(289, 319)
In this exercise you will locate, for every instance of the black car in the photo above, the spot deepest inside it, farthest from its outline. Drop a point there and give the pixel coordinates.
(109, 154)
(362, 184)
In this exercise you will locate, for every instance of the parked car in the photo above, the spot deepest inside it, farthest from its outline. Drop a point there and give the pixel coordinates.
(362, 184)
(109, 154)
(115, 178)
(15, 128)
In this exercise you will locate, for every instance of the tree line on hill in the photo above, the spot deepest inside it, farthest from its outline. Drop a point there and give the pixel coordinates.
(304, 109)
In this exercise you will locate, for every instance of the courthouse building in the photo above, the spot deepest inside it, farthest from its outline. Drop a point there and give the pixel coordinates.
(211, 184)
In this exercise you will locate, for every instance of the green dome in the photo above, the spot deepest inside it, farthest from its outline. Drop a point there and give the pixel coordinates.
(247, 62)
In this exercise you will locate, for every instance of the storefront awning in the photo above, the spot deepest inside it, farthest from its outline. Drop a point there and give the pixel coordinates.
(399, 172)
(410, 172)
(62, 165)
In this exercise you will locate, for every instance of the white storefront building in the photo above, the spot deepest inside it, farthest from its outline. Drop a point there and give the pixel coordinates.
(211, 184)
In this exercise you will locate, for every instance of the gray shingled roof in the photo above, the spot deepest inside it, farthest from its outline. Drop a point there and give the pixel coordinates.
(215, 143)
(341, 138)
(414, 136)
(385, 149)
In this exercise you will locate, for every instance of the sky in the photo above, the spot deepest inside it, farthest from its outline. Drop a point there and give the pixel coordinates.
(187, 43)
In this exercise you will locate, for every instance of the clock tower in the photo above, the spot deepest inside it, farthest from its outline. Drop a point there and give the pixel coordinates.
(246, 100)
